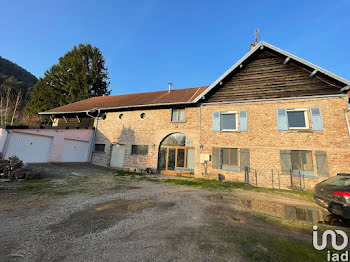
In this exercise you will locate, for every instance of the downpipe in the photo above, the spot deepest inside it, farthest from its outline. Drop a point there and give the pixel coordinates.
(347, 119)
(95, 130)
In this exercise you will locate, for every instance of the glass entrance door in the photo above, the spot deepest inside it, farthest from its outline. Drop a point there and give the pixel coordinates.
(180, 157)
(173, 158)
(176, 154)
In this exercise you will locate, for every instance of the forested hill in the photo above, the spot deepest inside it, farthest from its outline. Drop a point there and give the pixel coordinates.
(9, 69)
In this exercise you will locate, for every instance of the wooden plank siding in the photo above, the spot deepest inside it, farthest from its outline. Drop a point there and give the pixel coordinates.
(267, 77)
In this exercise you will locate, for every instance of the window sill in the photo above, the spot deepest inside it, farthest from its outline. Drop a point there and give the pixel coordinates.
(300, 131)
(305, 174)
(230, 131)
(230, 168)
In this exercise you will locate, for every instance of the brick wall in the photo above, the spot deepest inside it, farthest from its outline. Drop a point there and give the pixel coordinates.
(132, 130)
(265, 141)
(262, 138)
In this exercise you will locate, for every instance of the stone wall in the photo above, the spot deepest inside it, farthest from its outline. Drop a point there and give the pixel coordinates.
(132, 130)
(262, 138)
(265, 141)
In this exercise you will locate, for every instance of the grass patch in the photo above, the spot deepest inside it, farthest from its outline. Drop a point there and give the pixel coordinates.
(76, 181)
(69, 185)
(35, 186)
(127, 173)
(290, 224)
(255, 246)
(227, 185)
(46, 186)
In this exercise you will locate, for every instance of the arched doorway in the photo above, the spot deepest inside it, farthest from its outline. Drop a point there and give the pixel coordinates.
(176, 155)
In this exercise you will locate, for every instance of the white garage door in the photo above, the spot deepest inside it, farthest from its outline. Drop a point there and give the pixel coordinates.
(29, 148)
(75, 151)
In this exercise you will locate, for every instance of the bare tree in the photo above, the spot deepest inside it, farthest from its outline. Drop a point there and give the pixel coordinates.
(1, 110)
(16, 105)
(7, 103)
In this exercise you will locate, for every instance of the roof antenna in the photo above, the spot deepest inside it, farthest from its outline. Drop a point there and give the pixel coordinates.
(256, 35)
(256, 39)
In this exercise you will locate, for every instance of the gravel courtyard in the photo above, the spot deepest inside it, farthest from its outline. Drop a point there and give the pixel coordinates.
(90, 213)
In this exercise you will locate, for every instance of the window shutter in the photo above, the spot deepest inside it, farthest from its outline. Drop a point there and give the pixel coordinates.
(216, 121)
(282, 124)
(174, 115)
(133, 150)
(244, 158)
(286, 161)
(221, 158)
(243, 121)
(182, 115)
(322, 163)
(316, 119)
(217, 158)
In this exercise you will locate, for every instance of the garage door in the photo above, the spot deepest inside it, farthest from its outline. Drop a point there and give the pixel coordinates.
(29, 148)
(75, 151)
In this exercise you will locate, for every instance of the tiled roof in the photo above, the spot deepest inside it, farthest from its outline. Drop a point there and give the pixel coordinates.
(187, 95)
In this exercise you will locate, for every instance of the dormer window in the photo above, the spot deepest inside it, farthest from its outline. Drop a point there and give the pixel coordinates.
(178, 115)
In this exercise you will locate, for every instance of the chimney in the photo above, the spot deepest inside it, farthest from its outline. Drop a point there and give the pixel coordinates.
(252, 46)
(170, 84)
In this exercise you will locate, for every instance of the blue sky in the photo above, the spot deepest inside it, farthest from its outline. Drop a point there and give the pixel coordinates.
(147, 44)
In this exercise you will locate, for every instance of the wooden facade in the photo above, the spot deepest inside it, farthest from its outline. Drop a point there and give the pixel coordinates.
(266, 76)
(73, 122)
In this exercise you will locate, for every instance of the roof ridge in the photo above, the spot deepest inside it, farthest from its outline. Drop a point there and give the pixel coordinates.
(181, 89)
(261, 45)
(163, 97)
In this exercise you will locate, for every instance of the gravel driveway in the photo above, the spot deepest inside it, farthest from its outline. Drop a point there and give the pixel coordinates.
(95, 216)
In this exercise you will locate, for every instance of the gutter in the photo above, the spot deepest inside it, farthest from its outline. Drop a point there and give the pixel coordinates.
(273, 99)
(200, 131)
(345, 88)
(120, 107)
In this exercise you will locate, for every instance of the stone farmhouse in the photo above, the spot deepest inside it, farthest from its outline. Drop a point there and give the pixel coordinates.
(271, 114)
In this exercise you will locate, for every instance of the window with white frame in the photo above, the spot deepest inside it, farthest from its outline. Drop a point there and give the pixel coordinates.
(178, 115)
(298, 118)
(229, 121)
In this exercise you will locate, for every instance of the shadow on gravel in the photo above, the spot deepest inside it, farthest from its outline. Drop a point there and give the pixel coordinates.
(99, 217)
(55, 170)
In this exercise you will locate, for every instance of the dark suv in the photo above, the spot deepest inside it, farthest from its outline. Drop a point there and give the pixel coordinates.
(334, 195)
